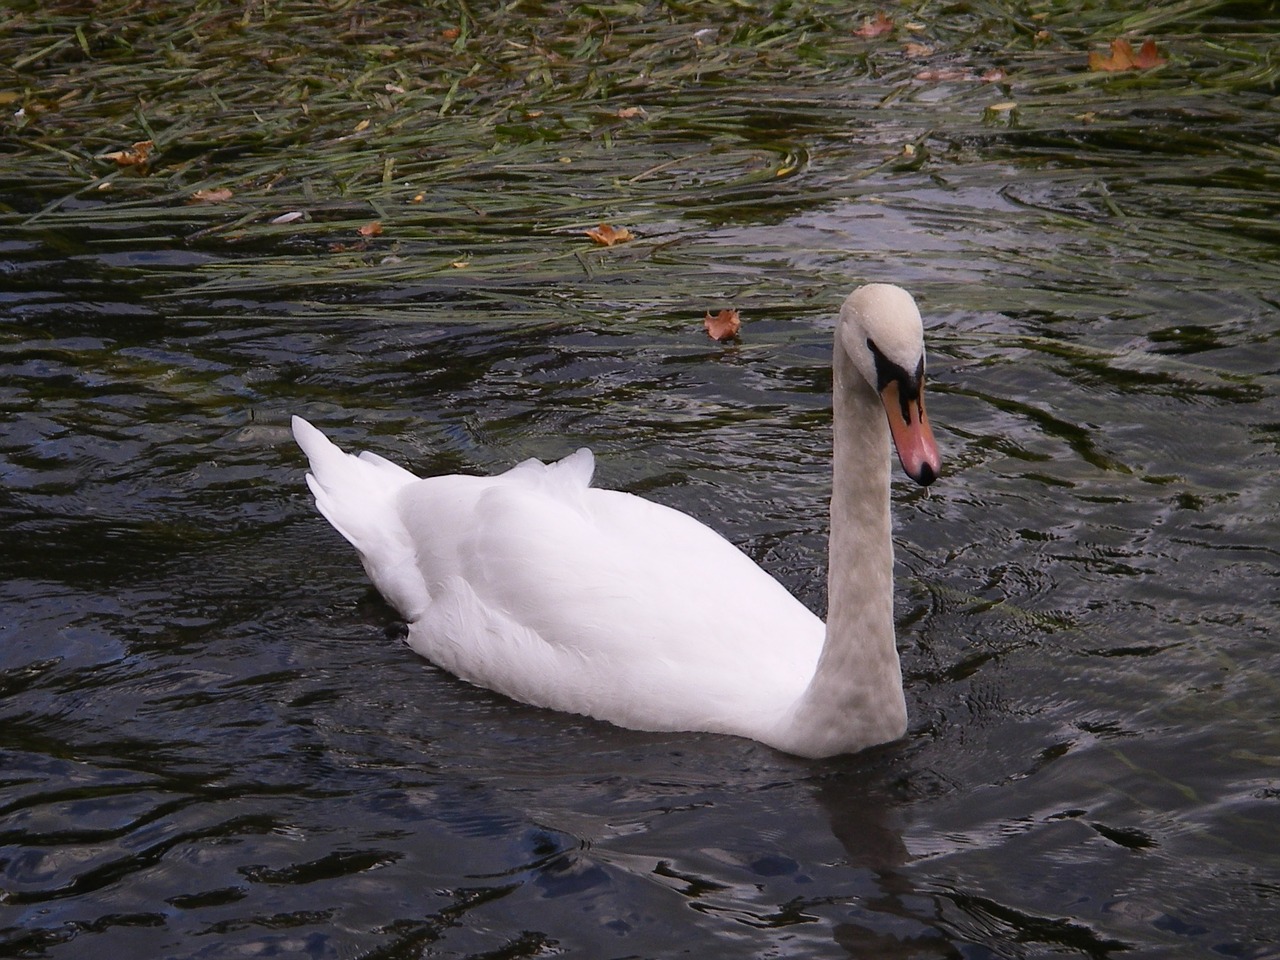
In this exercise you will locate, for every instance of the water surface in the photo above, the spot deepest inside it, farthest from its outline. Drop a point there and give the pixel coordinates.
(213, 744)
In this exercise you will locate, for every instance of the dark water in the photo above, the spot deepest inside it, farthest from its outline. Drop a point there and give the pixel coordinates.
(212, 744)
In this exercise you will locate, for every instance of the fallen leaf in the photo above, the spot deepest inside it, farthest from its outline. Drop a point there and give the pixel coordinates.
(373, 229)
(216, 195)
(994, 75)
(288, 217)
(630, 113)
(418, 198)
(362, 126)
(874, 26)
(449, 33)
(607, 235)
(1148, 56)
(1122, 57)
(393, 88)
(944, 75)
(917, 49)
(723, 325)
(460, 264)
(136, 156)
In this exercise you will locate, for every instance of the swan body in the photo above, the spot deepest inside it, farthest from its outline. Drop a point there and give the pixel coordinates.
(537, 585)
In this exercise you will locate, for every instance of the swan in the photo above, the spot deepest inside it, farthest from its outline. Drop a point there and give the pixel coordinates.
(539, 586)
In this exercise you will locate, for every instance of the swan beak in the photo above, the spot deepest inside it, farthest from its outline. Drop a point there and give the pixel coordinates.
(912, 436)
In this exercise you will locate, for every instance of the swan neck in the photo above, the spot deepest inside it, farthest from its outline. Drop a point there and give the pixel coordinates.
(855, 698)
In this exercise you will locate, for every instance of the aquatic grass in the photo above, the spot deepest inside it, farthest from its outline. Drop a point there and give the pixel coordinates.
(492, 134)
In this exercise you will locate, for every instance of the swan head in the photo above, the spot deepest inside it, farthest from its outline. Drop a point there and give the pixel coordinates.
(881, 331)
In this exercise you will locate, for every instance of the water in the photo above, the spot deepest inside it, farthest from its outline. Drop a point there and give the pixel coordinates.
(212, 743)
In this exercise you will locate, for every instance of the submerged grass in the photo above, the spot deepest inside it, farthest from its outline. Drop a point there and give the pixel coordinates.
(484, 137)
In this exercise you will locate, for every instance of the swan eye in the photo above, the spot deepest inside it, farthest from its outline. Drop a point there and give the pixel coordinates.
(887, 372)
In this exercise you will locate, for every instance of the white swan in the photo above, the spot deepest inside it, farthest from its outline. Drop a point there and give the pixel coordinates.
(536, 585)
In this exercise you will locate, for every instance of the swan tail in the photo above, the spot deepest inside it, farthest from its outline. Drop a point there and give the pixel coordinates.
(566, 478)
(357, 495)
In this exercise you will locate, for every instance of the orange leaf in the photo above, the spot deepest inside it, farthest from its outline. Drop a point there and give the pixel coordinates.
(1122, 57)
(1148, 56)
(218, 195)
(135, 156)
(607, 235)
(450, 33)
(723, 326)
(874, 26)
(373, 229)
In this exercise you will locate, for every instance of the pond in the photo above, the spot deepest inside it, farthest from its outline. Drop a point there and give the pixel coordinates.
(213, 742)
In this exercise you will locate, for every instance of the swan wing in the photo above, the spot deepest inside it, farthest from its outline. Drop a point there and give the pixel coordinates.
(536, 585)
(601, 603)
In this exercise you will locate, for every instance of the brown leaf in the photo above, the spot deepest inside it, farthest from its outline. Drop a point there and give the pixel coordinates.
(1122, 57)
(373, 229)
(607, 235)
(450, 33)
(914, 49)
(994, 75)
(630, 113)
(723, 325)
(216, 195)
(874, 26)
(944, 75)
(135, 156)
(1148, 56)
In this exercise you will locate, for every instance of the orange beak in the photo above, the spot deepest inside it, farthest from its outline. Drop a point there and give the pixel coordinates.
(912, 436)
